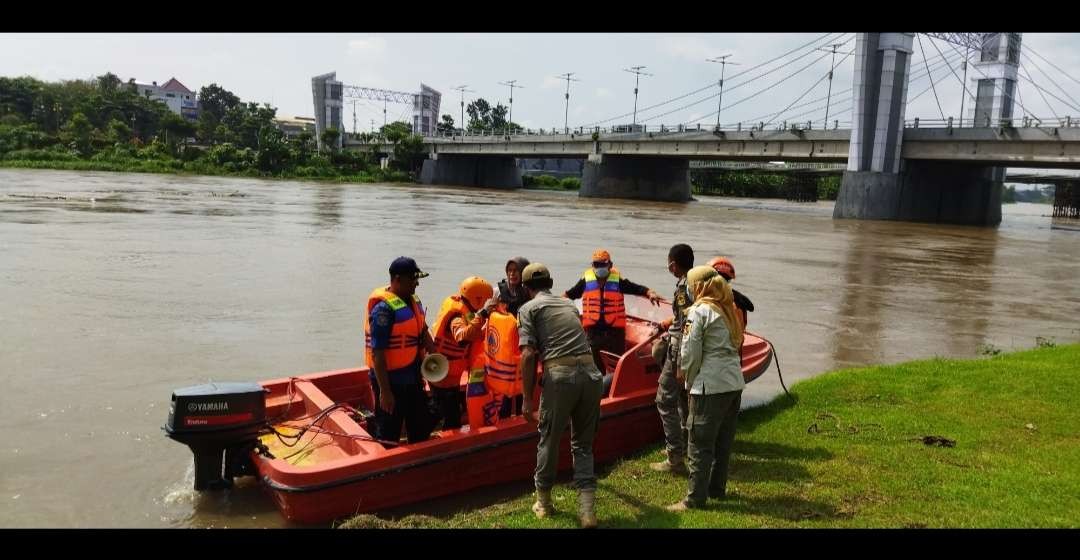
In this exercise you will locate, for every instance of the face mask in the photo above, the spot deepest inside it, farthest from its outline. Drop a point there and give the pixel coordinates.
(601, 272)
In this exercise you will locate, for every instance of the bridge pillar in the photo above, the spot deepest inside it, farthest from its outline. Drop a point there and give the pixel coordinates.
(877, 184)
(871, 185)
(471, 171)
(645, 178)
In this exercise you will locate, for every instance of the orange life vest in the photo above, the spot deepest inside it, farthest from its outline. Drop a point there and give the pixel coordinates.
(409, 323)
(502, 354)
(456, 352)
(481, 404)
(607, 306)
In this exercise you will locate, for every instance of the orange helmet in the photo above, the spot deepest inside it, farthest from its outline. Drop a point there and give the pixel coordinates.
(476, 291)
(601, 255)
(723, 266)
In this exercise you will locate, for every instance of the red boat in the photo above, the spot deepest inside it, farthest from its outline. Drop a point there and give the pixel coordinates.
(309, 446)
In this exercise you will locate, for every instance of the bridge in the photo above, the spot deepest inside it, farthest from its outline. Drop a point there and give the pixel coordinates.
(934, 170)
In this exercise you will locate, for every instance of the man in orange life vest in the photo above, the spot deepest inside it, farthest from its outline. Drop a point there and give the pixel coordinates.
(603, 313)
(727, 269)
(458, 328)
(396, 339)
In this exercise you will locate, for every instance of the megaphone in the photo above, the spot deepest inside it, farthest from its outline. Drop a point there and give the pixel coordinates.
(434, 368)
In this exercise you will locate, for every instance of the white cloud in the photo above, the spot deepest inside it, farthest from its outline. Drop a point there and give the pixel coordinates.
(551, 82)
(367, 46)
(691, 48)
(603, 92)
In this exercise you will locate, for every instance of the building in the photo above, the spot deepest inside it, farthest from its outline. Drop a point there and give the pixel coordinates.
(177, 97)
(326, 92)
(426, 110)
(296, 125)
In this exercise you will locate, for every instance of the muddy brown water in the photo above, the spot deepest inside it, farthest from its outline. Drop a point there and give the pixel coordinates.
(117, 288)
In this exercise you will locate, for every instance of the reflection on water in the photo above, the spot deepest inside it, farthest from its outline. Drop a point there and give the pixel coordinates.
(116, 289)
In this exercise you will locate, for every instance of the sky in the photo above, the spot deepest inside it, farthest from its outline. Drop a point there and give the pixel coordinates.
(277, 69)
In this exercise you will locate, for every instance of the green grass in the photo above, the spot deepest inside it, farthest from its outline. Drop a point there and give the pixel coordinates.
(850, 453)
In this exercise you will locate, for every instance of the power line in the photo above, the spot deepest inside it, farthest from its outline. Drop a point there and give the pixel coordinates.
(740, 84)
(767, 88)
(710, 85)
(811, 88)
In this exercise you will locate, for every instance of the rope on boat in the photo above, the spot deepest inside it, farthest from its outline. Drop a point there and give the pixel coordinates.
(780, 373)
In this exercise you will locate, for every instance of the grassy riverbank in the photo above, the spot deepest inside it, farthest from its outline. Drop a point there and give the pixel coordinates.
(851, 453)
(176, 167)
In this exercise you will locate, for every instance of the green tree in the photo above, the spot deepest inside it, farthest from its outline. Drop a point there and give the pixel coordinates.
(78, 133)
(329, 138)
(214, 103)
(274, 153)
(108, 83)
(410, 153)
(482, 116)
(446, 126)
(118, 132)
(395, 131)
(176, 129)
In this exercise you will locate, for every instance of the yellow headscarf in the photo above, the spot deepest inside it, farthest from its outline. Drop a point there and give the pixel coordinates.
(708, 287)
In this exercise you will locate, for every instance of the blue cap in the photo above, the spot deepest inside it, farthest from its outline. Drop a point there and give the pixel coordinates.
(405, 266)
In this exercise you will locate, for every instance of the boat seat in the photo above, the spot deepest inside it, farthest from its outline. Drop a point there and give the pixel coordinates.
(610, 361)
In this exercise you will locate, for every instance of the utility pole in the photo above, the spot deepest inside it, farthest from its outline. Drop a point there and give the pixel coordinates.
(384, 112)
(963, 85)
(723, 62)
(511, 83)
(636, 70)
(566, 113)
(354, 117)
(832, 65)
(373, 126)
(463, 90)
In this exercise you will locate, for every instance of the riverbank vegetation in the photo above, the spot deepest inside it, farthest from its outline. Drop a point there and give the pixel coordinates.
(105, 125)
(989, 442)
(762, 184)
(550, 183)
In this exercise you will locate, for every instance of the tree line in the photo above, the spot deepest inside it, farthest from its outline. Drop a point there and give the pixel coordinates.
(104, 123)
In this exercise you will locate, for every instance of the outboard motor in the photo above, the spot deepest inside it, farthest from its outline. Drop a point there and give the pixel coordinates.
(218, 419)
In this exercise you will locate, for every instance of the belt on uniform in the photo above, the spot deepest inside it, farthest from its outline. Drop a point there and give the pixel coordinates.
(585, 358)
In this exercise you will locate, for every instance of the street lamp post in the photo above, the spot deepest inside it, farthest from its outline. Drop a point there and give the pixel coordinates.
(511, 83)
(566, 113)
(832, 66)
(463, 90)
(636, 70)
(723, 62)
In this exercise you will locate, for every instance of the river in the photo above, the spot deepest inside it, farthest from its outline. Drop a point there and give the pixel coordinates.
(117, 288)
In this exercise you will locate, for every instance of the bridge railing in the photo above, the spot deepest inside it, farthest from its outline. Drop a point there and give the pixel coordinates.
(651, 130)
(1028, 121)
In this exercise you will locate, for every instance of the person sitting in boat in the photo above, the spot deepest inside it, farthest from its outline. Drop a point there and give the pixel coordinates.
(727, 269)
(511, 293)
(603, 312)
(396, 338)
(459, 326)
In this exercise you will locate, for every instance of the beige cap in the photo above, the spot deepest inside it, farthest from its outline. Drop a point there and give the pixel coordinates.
(534, 271)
